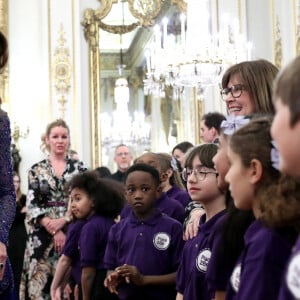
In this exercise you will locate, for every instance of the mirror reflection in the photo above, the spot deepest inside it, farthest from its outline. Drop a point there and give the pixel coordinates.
(158, 70)
(126, 106)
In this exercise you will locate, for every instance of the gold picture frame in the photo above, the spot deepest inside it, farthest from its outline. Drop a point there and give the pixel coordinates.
(91, 24)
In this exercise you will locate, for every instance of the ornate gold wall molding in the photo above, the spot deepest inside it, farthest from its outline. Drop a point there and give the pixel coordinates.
(145, 11)
(278, 45)
(181, 4)
(4, 16)
(276, 37)
(91, 32)
(118, 29)
(62, 71)
(4, 75)
(297, 25)
(62, 65)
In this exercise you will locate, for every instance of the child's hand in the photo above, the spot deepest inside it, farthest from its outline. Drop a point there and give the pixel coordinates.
(56, 294)
(59, 241)
(131, 274)
(3, 257)
(112, 281)
(192, 225)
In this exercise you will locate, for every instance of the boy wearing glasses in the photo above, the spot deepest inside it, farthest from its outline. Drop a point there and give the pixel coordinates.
(203, 188)
(123, 160)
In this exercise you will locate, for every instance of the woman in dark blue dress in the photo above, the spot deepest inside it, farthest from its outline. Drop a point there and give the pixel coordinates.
(7, 191)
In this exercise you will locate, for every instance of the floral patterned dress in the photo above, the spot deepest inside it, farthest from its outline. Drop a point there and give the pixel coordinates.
(46, 197)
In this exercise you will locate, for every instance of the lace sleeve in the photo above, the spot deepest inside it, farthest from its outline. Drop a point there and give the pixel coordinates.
(7, 191)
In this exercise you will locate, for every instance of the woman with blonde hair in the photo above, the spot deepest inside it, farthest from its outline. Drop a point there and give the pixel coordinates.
(47, 213)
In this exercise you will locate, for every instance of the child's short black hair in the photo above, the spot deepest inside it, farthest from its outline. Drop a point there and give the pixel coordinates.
(107, 194)
(144, 168)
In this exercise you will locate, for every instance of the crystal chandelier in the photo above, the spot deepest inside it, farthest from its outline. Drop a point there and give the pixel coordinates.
(119, 127)
(197, 56)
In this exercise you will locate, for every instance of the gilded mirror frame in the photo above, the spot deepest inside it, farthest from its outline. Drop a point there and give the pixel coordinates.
(92, 23)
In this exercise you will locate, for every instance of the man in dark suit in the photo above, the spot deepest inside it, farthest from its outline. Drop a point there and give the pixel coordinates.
(123, 159)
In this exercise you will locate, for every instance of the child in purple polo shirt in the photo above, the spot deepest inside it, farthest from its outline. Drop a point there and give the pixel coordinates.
(286, 132)
(98, 202)
(201, 177)
(144, 249)
(171, 183)
(228, 237)
(164, 203)
(255, 183)
(69, 259)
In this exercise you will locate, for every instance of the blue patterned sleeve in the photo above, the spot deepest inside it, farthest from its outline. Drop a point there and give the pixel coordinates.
(7, 191)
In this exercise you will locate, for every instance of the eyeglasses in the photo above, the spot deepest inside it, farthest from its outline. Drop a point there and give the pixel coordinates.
(198, 173)
(235, 90)
(122, 154)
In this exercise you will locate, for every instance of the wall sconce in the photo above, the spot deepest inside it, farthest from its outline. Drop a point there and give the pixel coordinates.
(17, 133)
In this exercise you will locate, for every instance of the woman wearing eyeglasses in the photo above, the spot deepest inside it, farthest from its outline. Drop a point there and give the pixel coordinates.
(202, 185)
(247, 87)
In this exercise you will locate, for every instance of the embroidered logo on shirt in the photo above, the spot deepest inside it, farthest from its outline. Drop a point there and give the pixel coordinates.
(203, 259)
(161, 241)
(293, 276)
(235, 278)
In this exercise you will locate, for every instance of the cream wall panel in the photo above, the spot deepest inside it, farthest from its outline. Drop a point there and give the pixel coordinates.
(66, 15)
(34, 32)
(259, 28)
(29, 90)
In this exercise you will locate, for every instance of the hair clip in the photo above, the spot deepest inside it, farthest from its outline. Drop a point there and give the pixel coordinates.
(174, 164)
(275, 158)
(233, 123)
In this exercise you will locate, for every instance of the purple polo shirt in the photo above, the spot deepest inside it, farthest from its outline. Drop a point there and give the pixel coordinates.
(93, 240)
(154, 246)
(166, 205)
(191, 282)
(182, 196)
(290, 285)
(260, 267)
(71, 248)
(216, 277)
